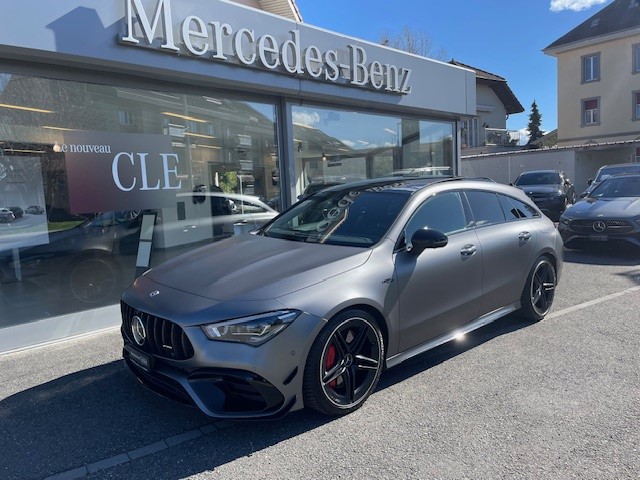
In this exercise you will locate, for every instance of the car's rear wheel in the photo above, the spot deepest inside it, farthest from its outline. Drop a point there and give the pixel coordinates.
(539, 291)
(344, 364)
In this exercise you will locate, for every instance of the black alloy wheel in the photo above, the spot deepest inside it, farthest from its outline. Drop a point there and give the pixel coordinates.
(539, 291)
(344, 364)
(93, 279)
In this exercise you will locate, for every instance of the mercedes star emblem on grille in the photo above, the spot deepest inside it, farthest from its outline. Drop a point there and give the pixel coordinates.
(599, 226)
(138, 330)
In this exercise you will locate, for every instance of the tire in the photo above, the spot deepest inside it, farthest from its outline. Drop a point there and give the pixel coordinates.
(344, 364)
(539, 291)
(94, 279)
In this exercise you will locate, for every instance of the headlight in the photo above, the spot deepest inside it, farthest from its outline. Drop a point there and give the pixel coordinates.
(565, 220)
(254, 330)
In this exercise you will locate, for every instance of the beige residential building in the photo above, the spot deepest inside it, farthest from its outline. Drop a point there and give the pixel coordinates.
(599, 83)
(284, 8)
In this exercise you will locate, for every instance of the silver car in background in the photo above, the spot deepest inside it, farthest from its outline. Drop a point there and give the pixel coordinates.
(312, 307)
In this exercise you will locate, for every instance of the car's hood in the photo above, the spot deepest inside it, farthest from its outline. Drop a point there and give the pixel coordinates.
(605, 207)
(252, 267)
(528, 189)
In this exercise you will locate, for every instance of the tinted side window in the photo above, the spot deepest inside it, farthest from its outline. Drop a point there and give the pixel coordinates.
(485, 207)
(515, 209)
(442, 212)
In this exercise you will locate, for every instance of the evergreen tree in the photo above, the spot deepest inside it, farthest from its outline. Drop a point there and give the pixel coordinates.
(534, 124)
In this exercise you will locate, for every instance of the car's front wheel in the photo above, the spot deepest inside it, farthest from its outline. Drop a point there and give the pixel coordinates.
(539, 291)
(344, 364)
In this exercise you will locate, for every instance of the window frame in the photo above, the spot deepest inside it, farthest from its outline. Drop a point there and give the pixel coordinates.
(535, 214)
(474, 222)
(596, 75)
(583, 112)
(635, 58)
(635, 105)
(403, 241)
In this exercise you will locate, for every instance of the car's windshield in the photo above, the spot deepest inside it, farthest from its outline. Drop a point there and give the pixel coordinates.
(607, 172)
(618, 187)
(357, 217)
(539, 178)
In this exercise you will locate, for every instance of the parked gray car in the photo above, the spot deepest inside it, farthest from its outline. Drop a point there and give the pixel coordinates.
(309, 309)
(608, 171)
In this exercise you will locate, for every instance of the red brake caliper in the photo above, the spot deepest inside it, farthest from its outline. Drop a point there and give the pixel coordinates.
(330, 363)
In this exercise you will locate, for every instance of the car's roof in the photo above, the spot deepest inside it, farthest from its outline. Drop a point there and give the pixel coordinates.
(541, 171)
(620, 165)
(407, 185)
(622, 175)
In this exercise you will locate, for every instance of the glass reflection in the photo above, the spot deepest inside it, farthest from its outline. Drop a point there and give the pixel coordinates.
(338, 146)
(56, 255)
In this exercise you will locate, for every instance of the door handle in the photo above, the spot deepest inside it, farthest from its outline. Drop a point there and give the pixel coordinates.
(524, 236)
(468, 250)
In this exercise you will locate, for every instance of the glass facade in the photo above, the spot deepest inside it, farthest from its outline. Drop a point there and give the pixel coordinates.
(98, 183)
(337, 146)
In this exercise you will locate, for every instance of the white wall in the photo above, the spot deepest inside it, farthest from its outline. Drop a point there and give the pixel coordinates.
(504, 168)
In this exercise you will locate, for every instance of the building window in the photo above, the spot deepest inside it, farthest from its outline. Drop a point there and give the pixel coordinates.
(125, 117)
(636, 105)
(343, 145)
(636, 58)
(470, 133)
(638, 154)
(57, 164)
(591, 68)
(591, 111)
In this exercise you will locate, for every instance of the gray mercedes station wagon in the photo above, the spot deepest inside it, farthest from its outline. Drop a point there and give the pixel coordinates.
(312, 307)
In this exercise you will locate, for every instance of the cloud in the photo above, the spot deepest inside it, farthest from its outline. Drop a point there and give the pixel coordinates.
(524, 136)
(305, 118)
(575, 5)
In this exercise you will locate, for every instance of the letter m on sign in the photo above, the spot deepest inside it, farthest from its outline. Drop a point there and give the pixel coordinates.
(163, 10)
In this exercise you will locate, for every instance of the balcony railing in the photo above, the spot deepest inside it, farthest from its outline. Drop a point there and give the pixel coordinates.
(500, 137)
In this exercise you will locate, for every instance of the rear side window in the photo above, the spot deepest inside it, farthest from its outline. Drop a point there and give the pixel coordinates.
(515, 209)
(485, 207)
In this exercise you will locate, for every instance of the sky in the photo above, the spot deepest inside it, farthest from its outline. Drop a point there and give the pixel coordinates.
(504, 37)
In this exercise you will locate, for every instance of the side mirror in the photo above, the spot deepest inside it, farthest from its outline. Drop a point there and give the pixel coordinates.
(583, 194)
(590, 181)
(427, 238)
(511, 184)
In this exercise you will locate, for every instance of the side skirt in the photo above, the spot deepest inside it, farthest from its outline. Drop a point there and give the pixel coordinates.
(447, 337)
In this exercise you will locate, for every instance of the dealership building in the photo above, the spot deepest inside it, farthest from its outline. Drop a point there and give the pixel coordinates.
(134, 130)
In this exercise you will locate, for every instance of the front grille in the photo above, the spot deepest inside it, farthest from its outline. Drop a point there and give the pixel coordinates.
(611, 226)
(541, 197)
(163, 337)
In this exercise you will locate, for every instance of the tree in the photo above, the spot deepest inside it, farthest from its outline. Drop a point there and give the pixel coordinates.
(534, 124)
(419, 43)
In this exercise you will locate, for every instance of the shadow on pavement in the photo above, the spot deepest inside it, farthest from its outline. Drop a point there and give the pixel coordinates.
(101, 412)
(441, 354)
(604, 256)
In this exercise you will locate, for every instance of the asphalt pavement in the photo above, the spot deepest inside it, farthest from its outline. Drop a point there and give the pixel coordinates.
(558, 399)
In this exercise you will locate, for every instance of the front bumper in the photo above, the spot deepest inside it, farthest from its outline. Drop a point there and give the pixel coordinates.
(223, 379)
(551, 206)
(580, 233)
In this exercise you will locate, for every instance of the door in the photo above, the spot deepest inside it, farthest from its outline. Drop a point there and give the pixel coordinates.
(506, 230)
(438, 289)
